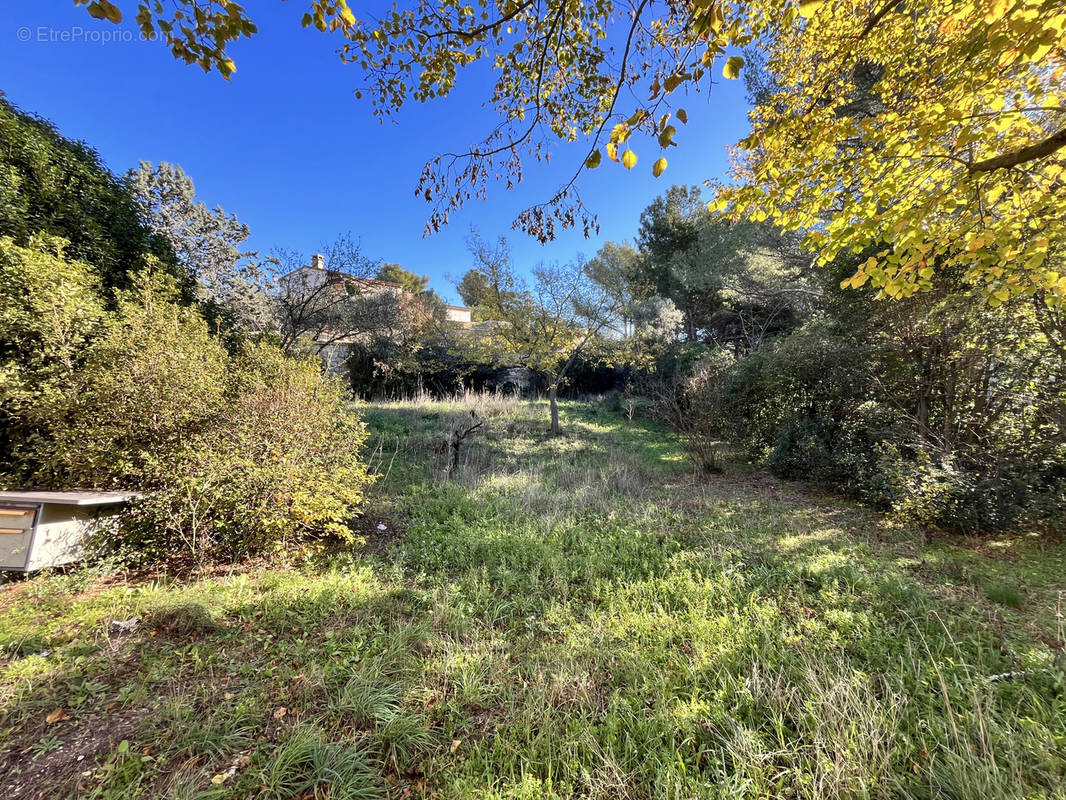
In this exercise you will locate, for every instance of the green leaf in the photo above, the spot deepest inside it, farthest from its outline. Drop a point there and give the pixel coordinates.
(732, 67)
(682, 115)
(593, 160)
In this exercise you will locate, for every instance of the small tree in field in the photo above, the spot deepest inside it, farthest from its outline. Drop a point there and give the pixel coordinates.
(544, 326)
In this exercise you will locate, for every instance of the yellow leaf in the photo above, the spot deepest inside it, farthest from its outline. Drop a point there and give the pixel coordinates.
(808, 8)
(455, 745)
(732, 67)
(1035, 260)
(56, 716)
(659, 167)
(612, 151)
(629, 159)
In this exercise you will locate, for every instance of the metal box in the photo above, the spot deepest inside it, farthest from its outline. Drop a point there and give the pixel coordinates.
(48, 529)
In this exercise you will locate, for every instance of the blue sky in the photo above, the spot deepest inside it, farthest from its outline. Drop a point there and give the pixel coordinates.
(287, 147)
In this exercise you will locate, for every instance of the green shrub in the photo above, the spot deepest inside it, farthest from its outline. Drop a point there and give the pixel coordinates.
(281, 460)
(944, 490)
(817, 405)
(150, 385)
(235, 454)
(49, 308)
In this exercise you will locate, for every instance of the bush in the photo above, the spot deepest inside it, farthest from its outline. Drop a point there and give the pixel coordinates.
(946, 490)
(816, 406)
(691, 400)
(49, 308)
(235, 454)
(794, 401)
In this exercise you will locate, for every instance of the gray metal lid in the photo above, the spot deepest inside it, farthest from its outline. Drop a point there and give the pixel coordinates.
(69, 498)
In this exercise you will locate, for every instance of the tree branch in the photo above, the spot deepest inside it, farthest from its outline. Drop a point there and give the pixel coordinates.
(1040, 149)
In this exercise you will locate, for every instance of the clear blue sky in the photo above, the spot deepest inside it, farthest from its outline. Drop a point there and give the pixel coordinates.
(287, 147)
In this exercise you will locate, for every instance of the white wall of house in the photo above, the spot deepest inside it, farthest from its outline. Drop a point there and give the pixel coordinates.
(457, 313)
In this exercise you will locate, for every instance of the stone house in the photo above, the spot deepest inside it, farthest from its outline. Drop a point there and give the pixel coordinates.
(314, 280)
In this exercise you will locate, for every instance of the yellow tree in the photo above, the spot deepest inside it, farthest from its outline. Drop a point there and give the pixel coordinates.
(930, 135)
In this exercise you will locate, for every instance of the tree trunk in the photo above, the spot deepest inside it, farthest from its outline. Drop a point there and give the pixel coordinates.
(553, 394)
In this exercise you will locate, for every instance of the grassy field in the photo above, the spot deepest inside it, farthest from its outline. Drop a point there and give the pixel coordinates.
(579, 616)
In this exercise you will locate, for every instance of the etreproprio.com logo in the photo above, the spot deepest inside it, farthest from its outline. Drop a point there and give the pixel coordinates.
(77, 35)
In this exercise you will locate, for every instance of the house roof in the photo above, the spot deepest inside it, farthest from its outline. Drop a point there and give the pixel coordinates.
(457, 308)
(371, 281)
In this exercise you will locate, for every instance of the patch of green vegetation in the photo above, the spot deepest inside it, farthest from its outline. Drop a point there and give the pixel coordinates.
(1004, 595)
(568, 616)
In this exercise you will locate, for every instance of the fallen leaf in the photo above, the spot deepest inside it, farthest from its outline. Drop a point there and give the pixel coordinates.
(281, 712)
(455, 745)
(298, 678)
(228, 696)
(220, 779)
(56, 716)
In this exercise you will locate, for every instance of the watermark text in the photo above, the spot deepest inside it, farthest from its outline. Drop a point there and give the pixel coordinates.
(76, 34)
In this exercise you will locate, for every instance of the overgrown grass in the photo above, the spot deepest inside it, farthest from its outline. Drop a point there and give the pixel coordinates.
(570, 616)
